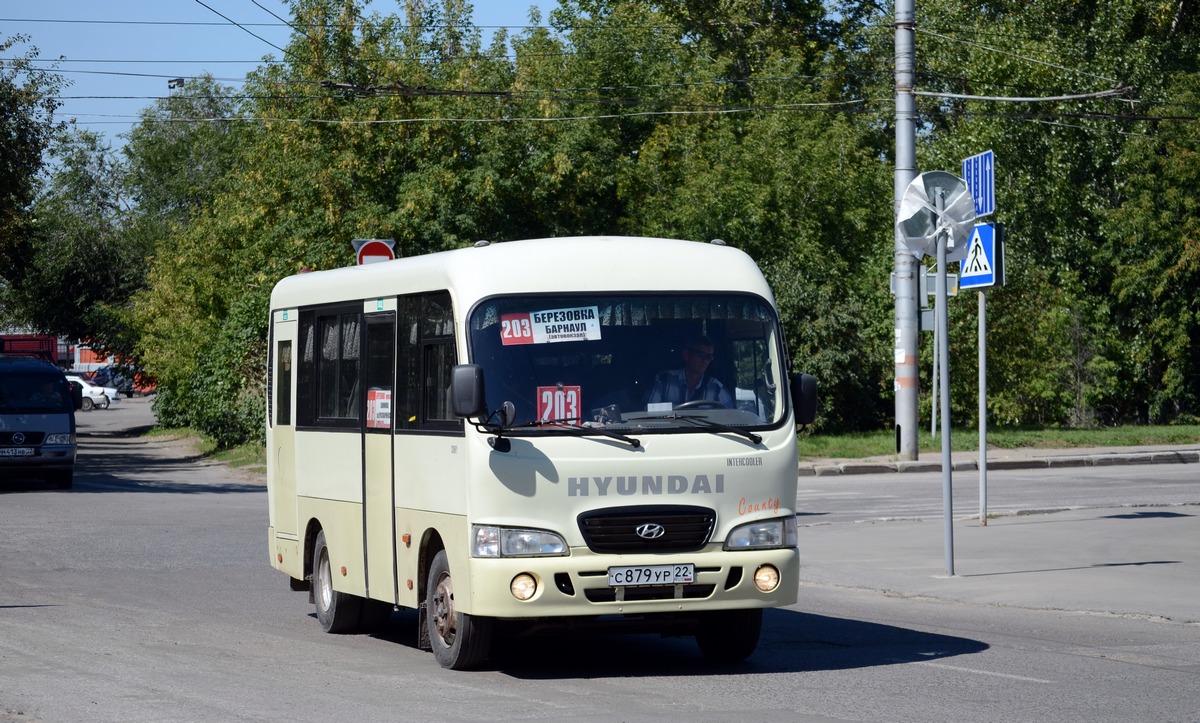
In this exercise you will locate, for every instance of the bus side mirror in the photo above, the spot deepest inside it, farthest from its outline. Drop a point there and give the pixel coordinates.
(467, 398)
(804, 397)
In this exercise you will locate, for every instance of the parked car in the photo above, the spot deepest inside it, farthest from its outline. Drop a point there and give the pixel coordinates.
(94, 395)
(110, 377)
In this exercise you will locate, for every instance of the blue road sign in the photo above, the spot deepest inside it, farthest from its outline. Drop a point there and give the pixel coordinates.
(983, 265)
(980, 174)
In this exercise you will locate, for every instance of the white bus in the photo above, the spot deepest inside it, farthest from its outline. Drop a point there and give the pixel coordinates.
(477, 435)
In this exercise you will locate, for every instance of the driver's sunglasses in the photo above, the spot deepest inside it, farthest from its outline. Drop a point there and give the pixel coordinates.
(705, 355)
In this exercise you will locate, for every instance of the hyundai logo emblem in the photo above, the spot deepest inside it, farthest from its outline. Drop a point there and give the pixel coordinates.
(651, 530)
(18, 438)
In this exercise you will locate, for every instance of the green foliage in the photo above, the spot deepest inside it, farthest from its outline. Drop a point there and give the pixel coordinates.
(766, 123)
(84, 261)
(28, 99)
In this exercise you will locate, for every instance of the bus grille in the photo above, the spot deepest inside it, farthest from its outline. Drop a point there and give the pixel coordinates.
(615, 530)
(652, 592)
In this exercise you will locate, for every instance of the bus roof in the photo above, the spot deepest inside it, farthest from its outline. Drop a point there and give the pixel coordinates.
(574, 264)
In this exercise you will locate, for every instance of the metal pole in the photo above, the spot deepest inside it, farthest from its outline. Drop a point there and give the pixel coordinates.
(943, 332)
(933, 386)
(982, 409)
(907, 376)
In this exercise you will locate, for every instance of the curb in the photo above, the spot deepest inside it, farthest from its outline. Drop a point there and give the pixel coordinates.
(1090, 460)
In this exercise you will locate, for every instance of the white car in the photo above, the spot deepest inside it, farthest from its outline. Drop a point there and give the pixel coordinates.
(95, 396)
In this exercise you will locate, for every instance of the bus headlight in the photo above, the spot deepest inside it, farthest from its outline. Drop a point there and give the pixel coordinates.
(763, 534)
(493, 541)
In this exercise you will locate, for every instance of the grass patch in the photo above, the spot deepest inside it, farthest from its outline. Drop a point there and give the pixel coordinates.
(883, 443)
(250, 457)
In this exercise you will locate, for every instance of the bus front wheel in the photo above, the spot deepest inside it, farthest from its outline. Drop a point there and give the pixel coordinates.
(338, 612)
(459, 640)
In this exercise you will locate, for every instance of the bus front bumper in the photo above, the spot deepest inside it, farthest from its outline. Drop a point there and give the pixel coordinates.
(578, 584)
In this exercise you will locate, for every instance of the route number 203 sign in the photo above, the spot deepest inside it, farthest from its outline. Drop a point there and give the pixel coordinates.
(559, 403)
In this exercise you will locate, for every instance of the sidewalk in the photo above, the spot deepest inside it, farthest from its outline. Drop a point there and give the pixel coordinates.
(1141, 562)
(1019, 458)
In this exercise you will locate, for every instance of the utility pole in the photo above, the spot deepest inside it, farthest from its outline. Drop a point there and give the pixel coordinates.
(906, 287)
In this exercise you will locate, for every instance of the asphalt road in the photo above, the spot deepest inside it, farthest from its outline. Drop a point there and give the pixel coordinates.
(145, 594)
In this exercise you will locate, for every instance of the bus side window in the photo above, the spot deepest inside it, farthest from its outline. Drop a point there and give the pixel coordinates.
(337, 372)
(283, 383)
(327, 378)
(439, 359)
(425, 355)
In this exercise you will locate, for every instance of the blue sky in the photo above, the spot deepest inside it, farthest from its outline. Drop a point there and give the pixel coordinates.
(119, 54)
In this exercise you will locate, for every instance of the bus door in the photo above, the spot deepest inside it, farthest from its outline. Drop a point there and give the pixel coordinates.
(282, 454)
(379, 500)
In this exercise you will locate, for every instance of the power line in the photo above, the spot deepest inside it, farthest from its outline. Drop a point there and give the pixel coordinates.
(235, 23)
(1118, 91)
(1018, 56)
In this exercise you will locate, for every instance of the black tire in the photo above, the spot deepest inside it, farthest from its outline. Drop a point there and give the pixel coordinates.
(105, 404)
(460, 641)
(338, 612)
(88, 404)
(729, 636)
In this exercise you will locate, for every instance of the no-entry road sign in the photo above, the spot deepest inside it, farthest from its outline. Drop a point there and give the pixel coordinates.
(374, 249)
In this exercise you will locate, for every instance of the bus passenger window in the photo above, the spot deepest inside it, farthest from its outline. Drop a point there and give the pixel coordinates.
(283, 383)
(337, 373)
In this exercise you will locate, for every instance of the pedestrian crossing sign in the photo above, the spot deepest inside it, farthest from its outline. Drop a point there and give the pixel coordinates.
(984, 262)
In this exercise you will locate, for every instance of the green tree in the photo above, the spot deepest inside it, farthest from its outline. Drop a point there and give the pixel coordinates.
(80, 270)
(1060, 343)
(1153, 236)
(28, 99)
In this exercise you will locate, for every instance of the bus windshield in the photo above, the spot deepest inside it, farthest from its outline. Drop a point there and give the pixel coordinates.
(646, 363)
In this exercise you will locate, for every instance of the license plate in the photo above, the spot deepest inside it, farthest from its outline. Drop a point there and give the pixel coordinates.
(652, 575)
(16, 452)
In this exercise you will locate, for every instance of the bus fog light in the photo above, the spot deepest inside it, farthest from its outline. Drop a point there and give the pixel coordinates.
(766, 578)
(523, 586)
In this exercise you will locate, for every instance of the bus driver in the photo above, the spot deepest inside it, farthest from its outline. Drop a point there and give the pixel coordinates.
(691, 383)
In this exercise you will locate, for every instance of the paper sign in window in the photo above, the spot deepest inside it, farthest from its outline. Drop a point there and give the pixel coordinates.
(379, 408)
(551, 325)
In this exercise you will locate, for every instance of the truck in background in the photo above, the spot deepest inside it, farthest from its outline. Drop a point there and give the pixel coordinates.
(42, 346)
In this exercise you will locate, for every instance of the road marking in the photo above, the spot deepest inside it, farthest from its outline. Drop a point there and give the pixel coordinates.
(985, 672)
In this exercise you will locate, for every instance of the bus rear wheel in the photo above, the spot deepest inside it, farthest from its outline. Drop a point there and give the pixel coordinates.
(338, 612)
(729, 636)
(459, 640)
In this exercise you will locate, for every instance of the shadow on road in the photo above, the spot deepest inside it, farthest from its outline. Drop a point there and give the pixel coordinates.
(792, 641)
(124, 461)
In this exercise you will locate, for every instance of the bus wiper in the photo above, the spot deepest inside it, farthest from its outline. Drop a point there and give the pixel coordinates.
(571, 424)
(711, 425)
